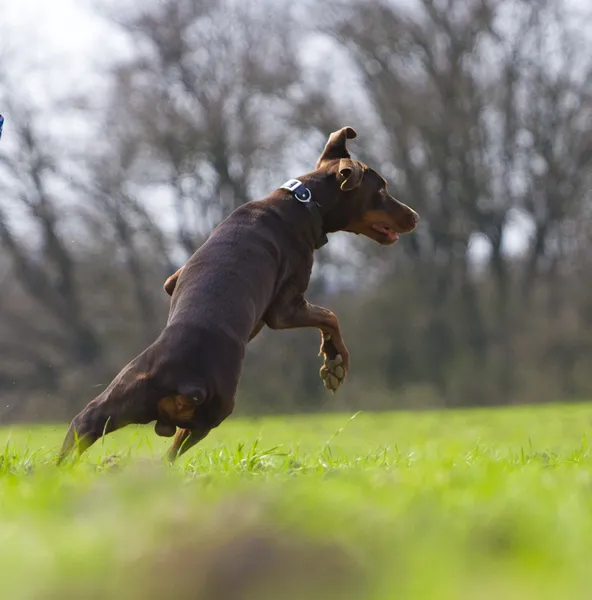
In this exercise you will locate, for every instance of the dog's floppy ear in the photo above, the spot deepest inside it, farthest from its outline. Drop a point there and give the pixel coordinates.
(350, 174)
(336, 147)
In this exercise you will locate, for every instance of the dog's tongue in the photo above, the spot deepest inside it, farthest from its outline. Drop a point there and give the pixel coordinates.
(393, 236)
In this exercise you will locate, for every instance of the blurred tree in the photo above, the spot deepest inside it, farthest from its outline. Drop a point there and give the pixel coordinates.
(212, 96)
(473, 106)
(41, 279)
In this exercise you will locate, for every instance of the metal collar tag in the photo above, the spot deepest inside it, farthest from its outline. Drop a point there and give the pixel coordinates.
(298, 190)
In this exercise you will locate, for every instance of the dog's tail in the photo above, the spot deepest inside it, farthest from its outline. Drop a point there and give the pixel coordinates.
(171, 283)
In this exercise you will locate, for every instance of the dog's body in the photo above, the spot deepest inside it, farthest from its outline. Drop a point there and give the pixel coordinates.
(252, 271)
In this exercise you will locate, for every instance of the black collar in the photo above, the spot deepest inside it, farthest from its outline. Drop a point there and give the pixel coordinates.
(304, 196)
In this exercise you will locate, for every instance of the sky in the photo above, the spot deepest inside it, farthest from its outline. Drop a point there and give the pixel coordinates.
(58, 45)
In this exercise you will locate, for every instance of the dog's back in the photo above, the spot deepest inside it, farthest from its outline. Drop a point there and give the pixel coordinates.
(228, 283)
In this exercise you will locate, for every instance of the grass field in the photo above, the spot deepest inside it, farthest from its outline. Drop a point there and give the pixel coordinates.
(481, 504)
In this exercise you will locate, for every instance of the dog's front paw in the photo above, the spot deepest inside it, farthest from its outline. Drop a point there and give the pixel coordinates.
(333, 372)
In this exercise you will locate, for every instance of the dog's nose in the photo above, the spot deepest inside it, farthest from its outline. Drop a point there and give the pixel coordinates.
(413, 218)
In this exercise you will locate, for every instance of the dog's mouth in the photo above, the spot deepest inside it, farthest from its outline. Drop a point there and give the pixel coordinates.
(387, 236)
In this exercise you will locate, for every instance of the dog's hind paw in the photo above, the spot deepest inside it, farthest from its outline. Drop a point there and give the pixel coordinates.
(333, 373)
(164, 429)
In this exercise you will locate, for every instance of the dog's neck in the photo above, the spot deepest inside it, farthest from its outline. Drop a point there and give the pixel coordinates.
(326, 193)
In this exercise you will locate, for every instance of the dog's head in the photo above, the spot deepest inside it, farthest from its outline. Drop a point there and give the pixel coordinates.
(364, 205)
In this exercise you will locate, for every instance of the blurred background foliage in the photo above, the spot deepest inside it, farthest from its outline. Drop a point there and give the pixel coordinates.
(478, 112)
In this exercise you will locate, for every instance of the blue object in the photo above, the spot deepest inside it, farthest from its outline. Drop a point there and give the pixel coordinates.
(1, 123)
(298, 189)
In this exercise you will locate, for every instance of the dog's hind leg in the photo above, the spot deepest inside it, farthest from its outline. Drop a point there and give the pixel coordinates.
(207, 417)
(86, 428)
(131, 398)
(185, 439)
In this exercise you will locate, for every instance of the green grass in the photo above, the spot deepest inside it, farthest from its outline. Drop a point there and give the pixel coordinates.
(480, 504)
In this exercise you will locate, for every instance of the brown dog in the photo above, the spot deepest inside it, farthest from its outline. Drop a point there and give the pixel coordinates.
(252, 271)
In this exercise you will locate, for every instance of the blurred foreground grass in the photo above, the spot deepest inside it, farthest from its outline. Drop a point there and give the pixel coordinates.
(479, 504)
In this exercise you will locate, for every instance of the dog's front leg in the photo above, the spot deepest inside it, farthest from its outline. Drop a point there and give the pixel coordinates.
(293, 312)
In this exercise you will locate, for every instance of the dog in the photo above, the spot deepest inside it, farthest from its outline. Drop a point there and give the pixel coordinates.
(252, 271)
